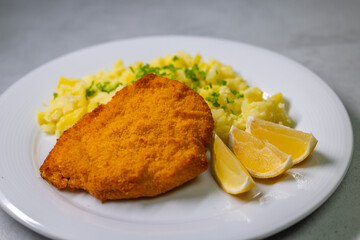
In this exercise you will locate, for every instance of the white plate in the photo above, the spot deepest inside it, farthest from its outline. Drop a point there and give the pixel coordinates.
(199, 209)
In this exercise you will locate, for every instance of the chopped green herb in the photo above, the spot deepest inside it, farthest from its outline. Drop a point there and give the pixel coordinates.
(227, 100)
(131, 68)
(171, 67)
(175, 58)
(195, 67)
(98, 103)
(173, 76)
(221, 82)
(55, 95)
(223, 107)
(210, 85)
(213, 98)
(89, 91)
(191, 75)
(238, 115)
(216, 71)
(237, 94)
(105, 87)
(202, 74)
(206, 88)
(194, 86)
(146, 69)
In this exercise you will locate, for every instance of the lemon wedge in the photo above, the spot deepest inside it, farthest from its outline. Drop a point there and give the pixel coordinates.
(260, 158)
(230, 174)
(293, 142)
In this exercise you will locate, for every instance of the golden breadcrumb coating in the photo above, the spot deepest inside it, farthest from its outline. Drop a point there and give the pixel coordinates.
(150, 138)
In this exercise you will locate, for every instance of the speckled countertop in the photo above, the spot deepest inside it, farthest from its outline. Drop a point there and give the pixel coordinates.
(322, 35)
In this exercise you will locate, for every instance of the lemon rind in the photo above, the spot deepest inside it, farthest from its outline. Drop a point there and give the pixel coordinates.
(246, 186)
(231, 138)
(312, 144)
(283, 167)
(309, 150)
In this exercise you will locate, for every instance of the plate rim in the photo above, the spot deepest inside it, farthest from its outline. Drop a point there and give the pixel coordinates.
(4, 203)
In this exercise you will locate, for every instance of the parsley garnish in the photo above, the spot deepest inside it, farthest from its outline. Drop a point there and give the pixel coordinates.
(210, 85)
(98, 103)
(238, 115)
(194, 86)
(216, 71)
(55, 95)
(213, 98)
(237, 94)
(171, 67)
(143, 70)
(175, 58)
(221, 82)
(105, 87)
(195, 67)
(202, 74)
(227, 100)
(223, 107)
(89, 92)
(189, 73)
(131, 68)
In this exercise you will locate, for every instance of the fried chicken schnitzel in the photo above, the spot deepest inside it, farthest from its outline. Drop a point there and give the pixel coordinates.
(150, 138)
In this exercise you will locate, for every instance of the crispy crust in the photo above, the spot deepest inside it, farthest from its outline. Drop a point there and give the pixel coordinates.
(150, 138)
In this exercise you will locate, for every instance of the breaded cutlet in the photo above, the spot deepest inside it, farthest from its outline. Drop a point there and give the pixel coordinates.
(150, 138)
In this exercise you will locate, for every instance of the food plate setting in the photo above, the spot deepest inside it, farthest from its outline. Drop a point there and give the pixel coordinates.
(199, 208)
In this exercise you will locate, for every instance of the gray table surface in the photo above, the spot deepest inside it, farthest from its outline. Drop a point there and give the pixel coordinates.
(322, 35)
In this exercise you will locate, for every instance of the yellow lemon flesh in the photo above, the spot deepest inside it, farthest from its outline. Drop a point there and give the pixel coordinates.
(230, 174)
(260, 158)
(293, 142)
